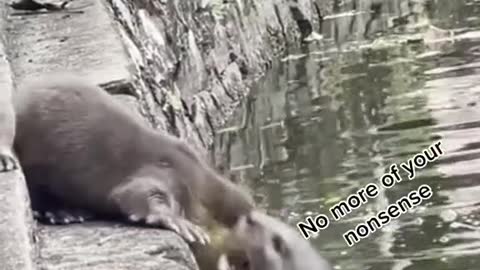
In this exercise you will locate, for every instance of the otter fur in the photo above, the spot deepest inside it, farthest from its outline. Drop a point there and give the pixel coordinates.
(79, 145)
(7, 132)
(270, 244)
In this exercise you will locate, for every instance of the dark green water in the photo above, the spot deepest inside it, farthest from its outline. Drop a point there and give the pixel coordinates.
(327, 122)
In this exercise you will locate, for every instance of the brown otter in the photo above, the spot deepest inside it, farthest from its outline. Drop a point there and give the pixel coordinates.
(7, 132)
(79, 145)
(270, 244)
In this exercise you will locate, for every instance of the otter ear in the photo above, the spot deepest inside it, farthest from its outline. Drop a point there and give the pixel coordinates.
(279, 245)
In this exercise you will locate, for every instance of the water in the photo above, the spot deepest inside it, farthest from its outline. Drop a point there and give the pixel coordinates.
(332, 118)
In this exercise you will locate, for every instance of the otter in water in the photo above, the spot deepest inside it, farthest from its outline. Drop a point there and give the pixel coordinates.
(7, 132)
(79, 145)
(270, 244)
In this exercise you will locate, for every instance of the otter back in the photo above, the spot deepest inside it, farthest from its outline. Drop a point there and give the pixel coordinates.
(77, 142)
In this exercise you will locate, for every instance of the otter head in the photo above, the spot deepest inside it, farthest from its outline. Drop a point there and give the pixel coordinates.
(270, 244)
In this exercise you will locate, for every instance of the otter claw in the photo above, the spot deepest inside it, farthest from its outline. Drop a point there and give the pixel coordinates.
(7, 163)
(202, 236)
(60, 217)
(170, 224)
(187, 230)
(134, 218)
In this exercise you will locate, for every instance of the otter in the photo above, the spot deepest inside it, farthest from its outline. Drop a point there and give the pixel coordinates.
(7, 132)
(80, 146)
(270, 244)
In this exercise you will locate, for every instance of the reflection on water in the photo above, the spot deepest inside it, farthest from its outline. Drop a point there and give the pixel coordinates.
(319, 127)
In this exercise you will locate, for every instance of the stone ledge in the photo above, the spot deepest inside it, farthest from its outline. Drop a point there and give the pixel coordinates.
(88, 44)
(17, 249)
(98, 246)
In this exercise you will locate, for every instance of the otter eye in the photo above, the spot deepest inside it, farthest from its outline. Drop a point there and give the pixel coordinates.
(278, 245)
(250, 220)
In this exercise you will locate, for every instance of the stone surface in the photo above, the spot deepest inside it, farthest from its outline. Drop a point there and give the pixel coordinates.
(87, 43)
(197, 59)
(16, 243)
(16, 248)
(107, 246)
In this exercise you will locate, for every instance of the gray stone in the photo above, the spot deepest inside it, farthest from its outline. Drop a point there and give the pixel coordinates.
(205, 55)
(88, 44)
(16, 243)
(16, 248)
(109, 246)
(85, 43)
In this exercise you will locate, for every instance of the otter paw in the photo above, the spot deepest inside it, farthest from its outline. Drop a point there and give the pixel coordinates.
(7, 163)
(61, 217)
(183, 227)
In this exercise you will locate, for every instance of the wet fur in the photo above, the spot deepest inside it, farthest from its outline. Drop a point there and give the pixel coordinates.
(84, 148)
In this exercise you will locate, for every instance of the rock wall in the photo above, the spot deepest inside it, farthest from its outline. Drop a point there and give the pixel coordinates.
(196, 59)
(188, 62)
